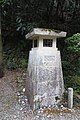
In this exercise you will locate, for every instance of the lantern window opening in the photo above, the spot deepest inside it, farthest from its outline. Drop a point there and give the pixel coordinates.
(47, 42)
(35, 43)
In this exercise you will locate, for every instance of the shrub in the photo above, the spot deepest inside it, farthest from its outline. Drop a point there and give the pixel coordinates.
(71, 63)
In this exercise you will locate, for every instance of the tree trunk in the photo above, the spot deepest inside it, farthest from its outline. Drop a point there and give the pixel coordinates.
(1, 56)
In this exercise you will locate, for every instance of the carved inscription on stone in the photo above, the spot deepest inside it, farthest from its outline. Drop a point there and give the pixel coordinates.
(43, 74)
(49, 60)
(47, 74)
(53, 74)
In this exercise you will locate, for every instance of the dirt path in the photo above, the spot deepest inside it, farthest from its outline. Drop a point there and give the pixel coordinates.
(9, 106)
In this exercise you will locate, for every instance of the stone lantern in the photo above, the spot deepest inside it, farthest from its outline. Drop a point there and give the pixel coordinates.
(45, 85)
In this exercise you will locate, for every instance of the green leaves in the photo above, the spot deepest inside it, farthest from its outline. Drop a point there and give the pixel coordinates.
(74, 82)
(71, 63)
(1, 1)
(73, 43)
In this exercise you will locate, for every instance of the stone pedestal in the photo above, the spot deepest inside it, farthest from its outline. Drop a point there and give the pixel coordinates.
(44, 85)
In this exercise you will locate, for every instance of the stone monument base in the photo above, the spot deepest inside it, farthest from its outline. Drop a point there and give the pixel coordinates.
(44, 85)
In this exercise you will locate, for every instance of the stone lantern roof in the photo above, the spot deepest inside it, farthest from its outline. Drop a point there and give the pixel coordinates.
(42, 34)
(45, 33)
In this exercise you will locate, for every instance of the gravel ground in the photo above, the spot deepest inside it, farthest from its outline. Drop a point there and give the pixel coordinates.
(10, 109)
(14, 105)
(73, 115)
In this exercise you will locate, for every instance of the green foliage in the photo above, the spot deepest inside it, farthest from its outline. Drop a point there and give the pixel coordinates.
(14, 59)
(23, 63)
(76, 100)
(21, 16)
(74, 82)
(71, 63)
(11, 64)
(74, 43)
(1, 2)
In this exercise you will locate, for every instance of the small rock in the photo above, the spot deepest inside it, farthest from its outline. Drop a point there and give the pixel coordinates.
(23, 102)
(62, 106)
(37, 116)
(41, 108)
(61, 114)
(18, 94)
(49, 106)
(21, 109)
(15, 116)
(19, 100)
(23, 89)
(48, 116)
(26, 100)
(44, 107)
(39, 111)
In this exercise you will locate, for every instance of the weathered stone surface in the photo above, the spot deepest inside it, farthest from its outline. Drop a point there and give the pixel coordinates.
(70, 97)
(44, 68)
(45, 32)
(45, 74)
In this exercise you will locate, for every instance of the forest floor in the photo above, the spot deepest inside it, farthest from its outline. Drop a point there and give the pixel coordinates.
(14, 105)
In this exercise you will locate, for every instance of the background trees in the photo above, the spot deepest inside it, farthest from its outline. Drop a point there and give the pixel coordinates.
(20, 16)
(58, 14)
(1, 57)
